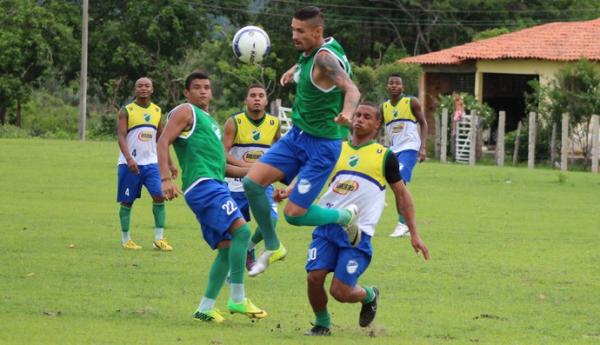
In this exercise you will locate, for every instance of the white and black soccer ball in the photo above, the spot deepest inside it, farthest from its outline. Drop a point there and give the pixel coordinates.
(251, 44)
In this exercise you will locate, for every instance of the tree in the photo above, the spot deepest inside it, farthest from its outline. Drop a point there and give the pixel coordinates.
(32, 42)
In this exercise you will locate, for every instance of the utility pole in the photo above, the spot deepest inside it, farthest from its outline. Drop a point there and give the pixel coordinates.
(83, 76)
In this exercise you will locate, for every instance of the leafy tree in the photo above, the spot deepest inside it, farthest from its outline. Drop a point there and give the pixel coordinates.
(33, 41)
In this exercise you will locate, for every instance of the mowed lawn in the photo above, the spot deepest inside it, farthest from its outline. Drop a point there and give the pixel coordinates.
(515, 259)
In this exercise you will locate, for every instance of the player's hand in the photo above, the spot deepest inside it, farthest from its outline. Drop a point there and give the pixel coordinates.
(288, 76)
(174, 172)
(344, 119)
(419, 246)
(133, 167)
(422, 155)
(280, 194)
(170, 190)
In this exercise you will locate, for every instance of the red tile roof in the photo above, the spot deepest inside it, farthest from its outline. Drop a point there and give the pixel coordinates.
(568, 41)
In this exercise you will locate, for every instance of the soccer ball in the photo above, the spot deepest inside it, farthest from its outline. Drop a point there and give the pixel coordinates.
(251, 44)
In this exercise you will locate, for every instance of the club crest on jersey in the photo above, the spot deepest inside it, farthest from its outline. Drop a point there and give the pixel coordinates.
(255, 135)
(252, 156)
(395, 113)
(272, 122)
(353, 160)
(145, 136)
(147, 117)
(345, 187)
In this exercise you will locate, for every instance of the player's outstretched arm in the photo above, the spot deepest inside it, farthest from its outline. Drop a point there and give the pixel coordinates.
(235, 171)
(330, 65)
(181, 118)
(288, 76)
(405, 206)
(418, 112)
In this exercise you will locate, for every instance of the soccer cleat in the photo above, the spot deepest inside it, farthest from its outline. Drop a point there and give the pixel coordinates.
(267, 257)
(131, 245)
(211, 315)
(401, 230)
(352, 229)
(278, 254)
(368, 310)
(162, 245)
(247, 308)
(250, 259)
(318, 331)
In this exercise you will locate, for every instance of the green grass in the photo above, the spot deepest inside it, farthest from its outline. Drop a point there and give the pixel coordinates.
(515, 260)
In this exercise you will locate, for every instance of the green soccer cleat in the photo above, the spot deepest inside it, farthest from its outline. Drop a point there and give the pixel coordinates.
(247, 308)
(212, 315)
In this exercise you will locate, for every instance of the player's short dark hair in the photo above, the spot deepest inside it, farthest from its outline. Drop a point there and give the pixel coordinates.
(193, 76)
(394, 75)
(310, 13)
(255, 86)
(374, 106)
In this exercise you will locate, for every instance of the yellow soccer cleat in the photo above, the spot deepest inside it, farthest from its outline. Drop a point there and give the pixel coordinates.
(247, 308)
(131, 245)
(278, 254)
(212, 315)
(162, 245)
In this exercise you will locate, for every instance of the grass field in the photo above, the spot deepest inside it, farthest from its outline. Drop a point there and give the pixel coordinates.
(515, 260)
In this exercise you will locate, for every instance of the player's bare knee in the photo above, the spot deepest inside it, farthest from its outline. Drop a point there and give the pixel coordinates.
(316, 278)
(293, 210)
(127, 204)
(341, 293)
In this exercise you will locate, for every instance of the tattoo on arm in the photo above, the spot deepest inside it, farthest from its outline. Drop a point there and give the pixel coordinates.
(334, 70)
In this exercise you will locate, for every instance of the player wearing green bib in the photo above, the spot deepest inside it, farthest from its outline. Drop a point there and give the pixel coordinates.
(325, 100)
(196, 137)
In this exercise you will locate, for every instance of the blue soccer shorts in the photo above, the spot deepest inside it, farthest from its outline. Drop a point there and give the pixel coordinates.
(241, 200)
(407, 160)
(214, 208)
(306, 156)
(331, 251)
(129, 185)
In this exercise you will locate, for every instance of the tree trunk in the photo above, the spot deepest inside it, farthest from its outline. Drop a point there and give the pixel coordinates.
(2, 116)
(18, 114)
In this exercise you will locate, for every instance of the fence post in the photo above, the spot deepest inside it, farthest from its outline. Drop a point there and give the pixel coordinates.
(564, 141)
(438, 133)
(444, 137)
(500, 139)
(595, 143)
(531, 137)
(275, 107)
(553, 146)
(473, 138)
(517, 140)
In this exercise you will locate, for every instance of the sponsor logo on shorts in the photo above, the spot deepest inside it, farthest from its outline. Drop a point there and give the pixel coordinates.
(353, 160)
(401, 166)
(304, 186)
(345, 187)
(351, 267)
(252, 156)
(145, 136)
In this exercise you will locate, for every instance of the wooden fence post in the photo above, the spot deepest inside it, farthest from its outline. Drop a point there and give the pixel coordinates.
(564, 142)
(500, 139)
(553, 146)
(517, 140)
(444, 137)
(595, 143)
(473, 137)
(531, 146)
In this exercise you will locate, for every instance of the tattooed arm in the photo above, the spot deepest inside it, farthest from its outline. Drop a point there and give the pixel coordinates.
(330, 67)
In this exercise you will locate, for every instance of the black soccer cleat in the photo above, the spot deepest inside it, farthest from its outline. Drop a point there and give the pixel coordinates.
(318, 331)
(368, 310)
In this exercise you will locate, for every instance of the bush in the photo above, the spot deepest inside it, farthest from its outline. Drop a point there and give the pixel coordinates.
(12, 132)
